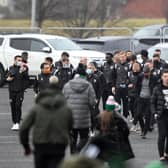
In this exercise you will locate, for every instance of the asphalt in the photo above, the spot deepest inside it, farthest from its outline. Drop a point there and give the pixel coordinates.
(11, 152)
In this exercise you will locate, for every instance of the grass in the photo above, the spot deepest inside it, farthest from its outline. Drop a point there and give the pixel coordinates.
(130, 23)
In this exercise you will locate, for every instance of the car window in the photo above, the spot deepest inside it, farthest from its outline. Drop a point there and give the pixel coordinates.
(147, 32)
(37, 45)
(91, 45)
(63, 44)
(20, 43)
(1, 41)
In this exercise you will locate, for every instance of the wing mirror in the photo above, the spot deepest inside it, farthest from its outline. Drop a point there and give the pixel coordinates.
(47, 49)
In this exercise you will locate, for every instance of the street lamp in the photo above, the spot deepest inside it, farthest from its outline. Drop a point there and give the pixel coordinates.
(33, 14)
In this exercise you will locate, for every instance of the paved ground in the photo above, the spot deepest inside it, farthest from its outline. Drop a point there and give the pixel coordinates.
(11, 153)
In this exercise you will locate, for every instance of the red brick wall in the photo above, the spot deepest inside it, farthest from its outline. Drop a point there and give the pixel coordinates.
(144, 8)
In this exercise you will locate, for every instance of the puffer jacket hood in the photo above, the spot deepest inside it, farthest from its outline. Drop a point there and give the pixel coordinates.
(79, 84)
(52, 102)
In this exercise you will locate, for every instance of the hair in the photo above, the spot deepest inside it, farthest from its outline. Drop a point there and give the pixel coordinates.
(65, 54)
(94, 64)
(49, 59)
(133, 57)
(156, 55)
(24, 53)
(81, 162)
(158, 50)
(144, 53)
(164, 71)
(43, 64)
(109, 54)
(17, 56)
(81, 69)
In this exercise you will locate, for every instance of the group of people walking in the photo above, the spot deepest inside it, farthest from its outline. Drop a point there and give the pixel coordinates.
(68, 103)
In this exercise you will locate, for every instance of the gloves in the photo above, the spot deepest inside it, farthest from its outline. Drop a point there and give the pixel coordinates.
(27, 151)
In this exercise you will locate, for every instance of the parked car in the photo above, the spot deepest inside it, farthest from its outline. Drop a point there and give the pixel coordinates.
(105, 43)
(148, 36)
(38, 47)
(164, 50)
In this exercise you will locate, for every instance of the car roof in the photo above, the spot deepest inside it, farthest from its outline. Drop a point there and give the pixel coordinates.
(102, 39)
(32, 35)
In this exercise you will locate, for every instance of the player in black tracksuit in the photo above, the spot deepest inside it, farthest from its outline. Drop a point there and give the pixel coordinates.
(16, 77)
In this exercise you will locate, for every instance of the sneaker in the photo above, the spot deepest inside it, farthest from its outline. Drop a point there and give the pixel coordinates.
(133, 128)
(15, 127)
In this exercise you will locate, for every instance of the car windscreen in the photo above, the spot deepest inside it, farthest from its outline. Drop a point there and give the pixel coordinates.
(63, 44)
(147, 32)
(91, 45)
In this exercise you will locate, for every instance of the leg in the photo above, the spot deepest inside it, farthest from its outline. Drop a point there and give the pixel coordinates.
(74, 138)
(124, 96)
(12, 97)
(19, 100)
(161, 135)
(39, 160)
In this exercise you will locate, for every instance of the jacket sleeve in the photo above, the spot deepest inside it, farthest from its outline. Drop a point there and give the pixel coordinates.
(91, 96)
(25, 129)
(154, 101)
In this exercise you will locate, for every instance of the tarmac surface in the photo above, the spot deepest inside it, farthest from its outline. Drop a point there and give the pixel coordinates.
(11, 152)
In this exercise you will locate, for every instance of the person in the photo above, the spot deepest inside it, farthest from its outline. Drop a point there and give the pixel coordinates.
(159, 107)
(42, 81)
(120, 80)
(107, 70)
(133, 91)
(81, 162)
(51, 120)
(81, 97)
(24, 57)
(16, 78)
(49, 61)
(144, 57)
(112, 142)
(143, 113)
(64, 72)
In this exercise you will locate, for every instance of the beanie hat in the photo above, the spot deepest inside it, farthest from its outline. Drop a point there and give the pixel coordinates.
(53, 80)
(112, 105)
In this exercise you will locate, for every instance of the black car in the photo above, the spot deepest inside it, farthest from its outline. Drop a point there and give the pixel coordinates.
(106, 43)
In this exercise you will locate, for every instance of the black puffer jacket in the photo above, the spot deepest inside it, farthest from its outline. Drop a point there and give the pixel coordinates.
(157, 101)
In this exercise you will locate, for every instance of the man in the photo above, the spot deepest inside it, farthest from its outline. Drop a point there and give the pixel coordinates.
(64, 70)
(42, 81)
(107, 70)
(144, 56)
(80, 96)
(120, 82)
(49, 61)
(16, 78)
(159, 107)
(51, 120)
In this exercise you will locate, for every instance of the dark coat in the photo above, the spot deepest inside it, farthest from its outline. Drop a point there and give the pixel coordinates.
(157, 101)
(115, 141)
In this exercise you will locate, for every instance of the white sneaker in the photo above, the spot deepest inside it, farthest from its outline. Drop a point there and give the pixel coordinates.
(15, 127)
(133, 128)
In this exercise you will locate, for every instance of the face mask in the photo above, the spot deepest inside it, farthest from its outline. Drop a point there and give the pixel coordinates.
(18, 63)
(66, 65)
(89, 71)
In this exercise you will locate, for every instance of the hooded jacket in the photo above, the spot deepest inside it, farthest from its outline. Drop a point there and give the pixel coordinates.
(51, 120)
(80, 96)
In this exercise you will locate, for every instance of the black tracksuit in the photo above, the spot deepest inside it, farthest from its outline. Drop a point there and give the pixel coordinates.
(120, 82)
(16, 91)
(42, 82)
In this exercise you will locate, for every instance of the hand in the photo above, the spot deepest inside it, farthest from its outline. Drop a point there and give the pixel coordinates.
(9, 78)
(113, 90)
(27, 151)
(130, 85)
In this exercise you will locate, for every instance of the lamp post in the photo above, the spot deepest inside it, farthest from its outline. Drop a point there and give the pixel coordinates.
(33, 14)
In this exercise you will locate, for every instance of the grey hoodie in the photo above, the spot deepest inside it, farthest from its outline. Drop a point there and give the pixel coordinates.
(80, 96)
